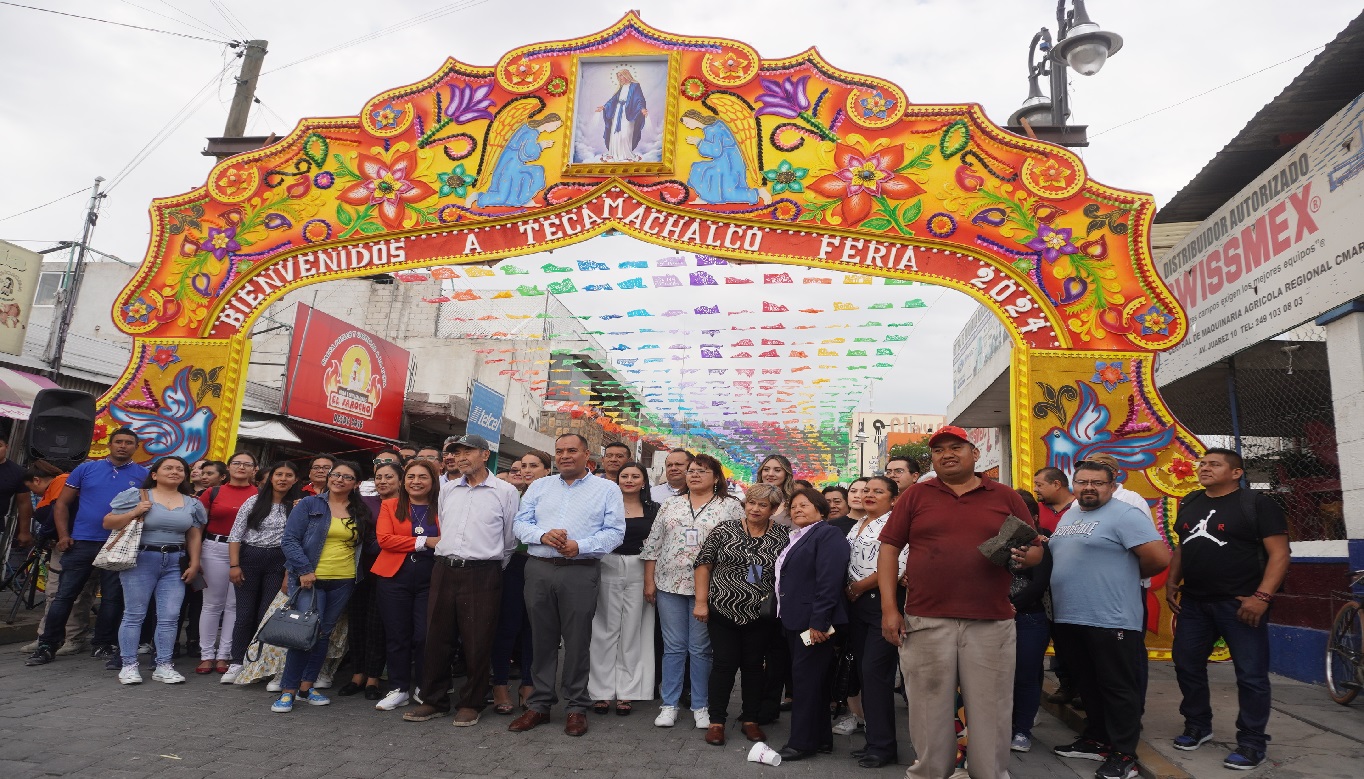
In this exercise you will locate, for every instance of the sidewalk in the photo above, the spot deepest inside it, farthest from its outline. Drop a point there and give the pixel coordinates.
(1311, 736)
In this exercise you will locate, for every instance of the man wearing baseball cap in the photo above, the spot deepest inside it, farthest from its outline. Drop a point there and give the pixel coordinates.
(957, 629)
(476, 513)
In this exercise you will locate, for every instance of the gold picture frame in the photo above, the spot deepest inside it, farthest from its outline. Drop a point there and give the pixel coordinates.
(584, 94)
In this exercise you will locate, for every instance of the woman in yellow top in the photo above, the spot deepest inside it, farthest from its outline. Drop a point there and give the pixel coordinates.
(322, 544)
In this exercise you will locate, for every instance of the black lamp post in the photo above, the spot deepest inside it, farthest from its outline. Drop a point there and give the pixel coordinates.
(1082, 47)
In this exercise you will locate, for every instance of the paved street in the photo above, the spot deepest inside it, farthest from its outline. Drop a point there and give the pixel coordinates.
(71, 718)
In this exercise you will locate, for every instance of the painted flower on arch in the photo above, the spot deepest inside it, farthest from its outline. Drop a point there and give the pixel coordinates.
(876, 105)
(137, 311)
(783, 98)
(388, 186)
(386, 116)
(785, 178)
(456, 182)
(693, 88)
(165, 356)
(1181, 468)
(469, 103)
(1154, 321)
(1052, 243)
(1051, 174)
(1109, 374)
(221, 242)
(860, 177)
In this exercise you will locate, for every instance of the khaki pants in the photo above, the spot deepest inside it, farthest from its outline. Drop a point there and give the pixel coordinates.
(939, 655)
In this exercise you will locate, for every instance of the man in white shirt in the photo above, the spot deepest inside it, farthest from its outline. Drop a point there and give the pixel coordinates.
(674, 475)
(475, 514)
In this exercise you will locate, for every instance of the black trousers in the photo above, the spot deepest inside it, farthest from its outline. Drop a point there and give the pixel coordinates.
(737, 648)
(403, 600)
(878, 661)
(776, 677)
(368, 652)
(811, 727)
(263, 573)
(1104, 665)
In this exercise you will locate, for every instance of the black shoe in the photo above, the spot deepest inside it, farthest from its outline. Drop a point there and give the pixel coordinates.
(176, 654)
(348, 689)
(875, 761)
(1244, 758)
(114, 663)
(825, 749)
(1077, 704)
(786, 704)
(105, 652)
(1062, 695)
(1118, 766)
(858, 754)
(788, 754)
(1083, 749)
(372, 693)
(41, 656)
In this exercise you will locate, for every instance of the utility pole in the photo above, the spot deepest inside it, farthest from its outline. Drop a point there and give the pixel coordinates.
(246, 89)
(56, 340)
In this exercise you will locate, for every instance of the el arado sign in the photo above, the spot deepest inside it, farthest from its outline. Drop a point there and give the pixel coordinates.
(344, 377)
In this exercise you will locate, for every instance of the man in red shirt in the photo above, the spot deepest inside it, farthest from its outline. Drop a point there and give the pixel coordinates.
(957, 630)
(1053, 496)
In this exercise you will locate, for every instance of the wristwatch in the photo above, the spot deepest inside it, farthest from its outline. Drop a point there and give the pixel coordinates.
(1263, 596)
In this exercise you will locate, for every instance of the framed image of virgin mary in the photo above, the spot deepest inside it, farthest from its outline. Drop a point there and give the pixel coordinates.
(621, 109)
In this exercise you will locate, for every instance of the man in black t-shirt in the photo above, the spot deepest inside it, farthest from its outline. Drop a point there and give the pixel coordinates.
(12, 486)
(1231, 559)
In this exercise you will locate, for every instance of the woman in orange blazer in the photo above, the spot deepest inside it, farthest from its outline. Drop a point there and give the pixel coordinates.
(407, 532)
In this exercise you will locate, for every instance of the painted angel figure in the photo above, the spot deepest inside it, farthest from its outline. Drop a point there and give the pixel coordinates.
(514, 179)
(623, 117)
(729, 172)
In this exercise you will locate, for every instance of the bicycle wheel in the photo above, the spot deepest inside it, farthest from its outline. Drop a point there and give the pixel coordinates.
(1343, 654)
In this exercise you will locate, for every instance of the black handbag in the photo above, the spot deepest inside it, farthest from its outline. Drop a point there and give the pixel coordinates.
(290, 627)
(767, 607)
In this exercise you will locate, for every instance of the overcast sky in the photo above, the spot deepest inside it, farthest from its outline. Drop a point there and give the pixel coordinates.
(82, 99)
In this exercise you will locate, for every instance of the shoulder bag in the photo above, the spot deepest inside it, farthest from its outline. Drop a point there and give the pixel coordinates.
(290, 627)
(120, 551)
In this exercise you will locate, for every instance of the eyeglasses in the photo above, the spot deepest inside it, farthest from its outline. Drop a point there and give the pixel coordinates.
(341, 476)
(319, 468)
(700, 472)
(243, 464)
(431, 457)
(384, 460)
(1089, 483)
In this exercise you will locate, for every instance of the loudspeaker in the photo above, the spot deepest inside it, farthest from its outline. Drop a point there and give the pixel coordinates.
(61, 426)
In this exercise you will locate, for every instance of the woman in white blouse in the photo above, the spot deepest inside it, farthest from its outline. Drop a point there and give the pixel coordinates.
(876, 659)
(256, 560)
(669, 555)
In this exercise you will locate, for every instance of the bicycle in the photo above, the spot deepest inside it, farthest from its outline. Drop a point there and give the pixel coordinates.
(1345, 648)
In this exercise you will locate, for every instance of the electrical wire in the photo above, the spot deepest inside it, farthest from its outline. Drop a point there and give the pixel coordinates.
(200, 22)
(191, 25)
(186, 111)
(48, 203)
(120, 24)
(398, 27)
(229, 17)
(1208, 92)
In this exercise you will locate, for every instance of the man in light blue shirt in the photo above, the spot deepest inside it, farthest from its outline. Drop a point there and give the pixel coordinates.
(568, 522)
(1101, 549)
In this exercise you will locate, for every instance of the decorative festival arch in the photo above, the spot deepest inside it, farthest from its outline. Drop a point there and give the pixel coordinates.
(696, 144)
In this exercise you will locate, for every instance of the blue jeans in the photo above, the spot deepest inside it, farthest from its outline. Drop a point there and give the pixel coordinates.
(332, 597)
(157, 574)
(1199, 626)
(1034, 633)
(78, 565)
(683, 636)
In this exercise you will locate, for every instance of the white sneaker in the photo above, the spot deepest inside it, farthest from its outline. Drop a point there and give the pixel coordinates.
(393, 700)
(130, 675)
(231, 675)
(274, 685)
(847, 725)
(167, 674)
(702, 717)
(323, 682)
(667, 717)
(69, 648)
(145, 648)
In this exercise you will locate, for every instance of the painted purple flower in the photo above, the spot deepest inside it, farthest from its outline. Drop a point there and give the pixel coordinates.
(469, 103)
(783, 98)
(277, 221)
(221, 242)
(1052, 243)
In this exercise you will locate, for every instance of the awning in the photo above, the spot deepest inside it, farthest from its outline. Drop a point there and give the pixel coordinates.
(267, 430)
(17, 390)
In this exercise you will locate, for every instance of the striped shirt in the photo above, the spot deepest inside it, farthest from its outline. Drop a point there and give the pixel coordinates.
(590, 509)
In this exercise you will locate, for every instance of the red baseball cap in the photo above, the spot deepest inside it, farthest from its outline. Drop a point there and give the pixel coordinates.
(948, 431)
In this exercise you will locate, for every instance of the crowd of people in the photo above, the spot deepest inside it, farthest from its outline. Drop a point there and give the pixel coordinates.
(607, 591)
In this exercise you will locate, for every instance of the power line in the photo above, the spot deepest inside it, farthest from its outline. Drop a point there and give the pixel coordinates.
(200, 22)
(229, 17)
(196, 26)
(398, 27)
(1209, 91)
(120, 24)
(48, 203)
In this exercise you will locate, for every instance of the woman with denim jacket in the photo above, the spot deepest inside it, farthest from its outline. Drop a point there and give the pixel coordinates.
(323, 541)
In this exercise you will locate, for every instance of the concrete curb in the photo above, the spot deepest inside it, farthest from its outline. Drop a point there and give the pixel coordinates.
(1153, 764)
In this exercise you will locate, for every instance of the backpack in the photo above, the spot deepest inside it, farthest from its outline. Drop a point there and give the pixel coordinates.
(1248, 499)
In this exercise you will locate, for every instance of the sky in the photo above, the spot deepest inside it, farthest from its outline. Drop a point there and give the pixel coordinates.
(82, 98)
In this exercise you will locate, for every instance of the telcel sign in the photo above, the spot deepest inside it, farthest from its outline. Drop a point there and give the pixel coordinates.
(1287, 248)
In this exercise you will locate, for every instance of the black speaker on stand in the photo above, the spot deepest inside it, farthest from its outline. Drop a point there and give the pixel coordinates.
(60, 427)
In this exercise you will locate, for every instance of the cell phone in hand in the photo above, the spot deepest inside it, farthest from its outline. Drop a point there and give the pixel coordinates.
(808, 641)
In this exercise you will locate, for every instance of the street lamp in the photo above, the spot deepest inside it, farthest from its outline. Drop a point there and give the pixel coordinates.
(1082, 47)
(861, 441)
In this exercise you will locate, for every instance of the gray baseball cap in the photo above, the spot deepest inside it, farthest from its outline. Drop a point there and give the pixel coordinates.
(472, 441)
